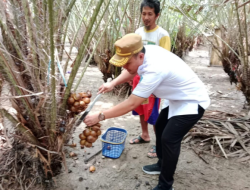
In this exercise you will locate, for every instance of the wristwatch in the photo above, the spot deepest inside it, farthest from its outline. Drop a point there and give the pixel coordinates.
(101, 116)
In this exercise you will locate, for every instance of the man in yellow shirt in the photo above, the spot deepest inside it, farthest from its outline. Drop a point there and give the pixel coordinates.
(151, 34)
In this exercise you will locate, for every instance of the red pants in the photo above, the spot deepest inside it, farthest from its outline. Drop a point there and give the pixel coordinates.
(146, 107)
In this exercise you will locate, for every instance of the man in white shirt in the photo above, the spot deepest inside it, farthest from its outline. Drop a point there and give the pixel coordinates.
(151, 34)
(166, 76)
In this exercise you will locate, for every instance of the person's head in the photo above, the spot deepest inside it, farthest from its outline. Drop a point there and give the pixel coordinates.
(129, 53)
(150, 11)
(135, 61)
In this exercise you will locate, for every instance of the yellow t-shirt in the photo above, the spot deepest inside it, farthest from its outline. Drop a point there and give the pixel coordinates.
(157, 36)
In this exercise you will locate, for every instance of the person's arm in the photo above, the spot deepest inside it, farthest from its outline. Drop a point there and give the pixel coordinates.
(143, 90)
(125, 76)
(128, 105)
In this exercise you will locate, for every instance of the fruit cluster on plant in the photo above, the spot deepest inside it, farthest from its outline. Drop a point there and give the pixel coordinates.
(78, 102)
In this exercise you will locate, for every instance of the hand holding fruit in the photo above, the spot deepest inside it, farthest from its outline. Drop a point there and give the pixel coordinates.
(91, 119)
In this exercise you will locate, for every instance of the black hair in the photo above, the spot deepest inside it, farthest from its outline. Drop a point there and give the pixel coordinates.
(143, 50)
(153, 4)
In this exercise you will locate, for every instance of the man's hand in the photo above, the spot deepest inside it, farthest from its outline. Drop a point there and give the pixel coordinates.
(125, 76)
(91, 119)
(106, 87)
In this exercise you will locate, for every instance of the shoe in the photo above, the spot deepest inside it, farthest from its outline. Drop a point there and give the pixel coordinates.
(159, 187)
(152, 169)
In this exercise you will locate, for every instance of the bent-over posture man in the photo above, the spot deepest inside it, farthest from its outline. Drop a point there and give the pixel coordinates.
(166, 76)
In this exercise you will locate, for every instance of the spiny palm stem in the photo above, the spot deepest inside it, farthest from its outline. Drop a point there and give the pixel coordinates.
(121, 21)
(53, 80)
(103, 32)
(80, 55)
(246, 54)
(63, 19)
(98, 24)
(242, 51)
(64, 39)
(16, 82)
(13, 40)
(33, 42)
(75, 36)
(26, 133)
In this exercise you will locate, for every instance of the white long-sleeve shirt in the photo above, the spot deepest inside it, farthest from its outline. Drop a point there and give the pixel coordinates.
(168, 77)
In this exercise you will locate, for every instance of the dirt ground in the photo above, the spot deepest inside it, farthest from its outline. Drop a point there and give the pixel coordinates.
(125, 173)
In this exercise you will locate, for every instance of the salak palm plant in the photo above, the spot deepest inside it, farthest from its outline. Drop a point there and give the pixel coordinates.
(198, 16)
(232, 45)
(33, 35)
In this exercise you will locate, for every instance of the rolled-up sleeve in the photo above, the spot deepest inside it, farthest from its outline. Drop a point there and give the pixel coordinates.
(148, 83)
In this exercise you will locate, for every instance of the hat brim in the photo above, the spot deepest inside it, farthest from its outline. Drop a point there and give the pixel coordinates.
(119, 61)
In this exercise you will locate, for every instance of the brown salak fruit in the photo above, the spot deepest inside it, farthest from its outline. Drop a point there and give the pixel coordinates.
(84, 95)
(95, 128)
(73, 145)
(92, 169)
(86, 100)
(77, 96)
(88, 144)
(82, 142)
(71, 100)
(86, 132)
(73, 109)
(76, 104)
(82, 104)
(98, 124)
(91, 139)
(72, 154)
(89, 94)
(82, 136)
(93, 133)
(99, 132)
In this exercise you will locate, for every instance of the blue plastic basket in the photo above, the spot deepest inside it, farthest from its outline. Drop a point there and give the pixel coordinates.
(113, 142)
